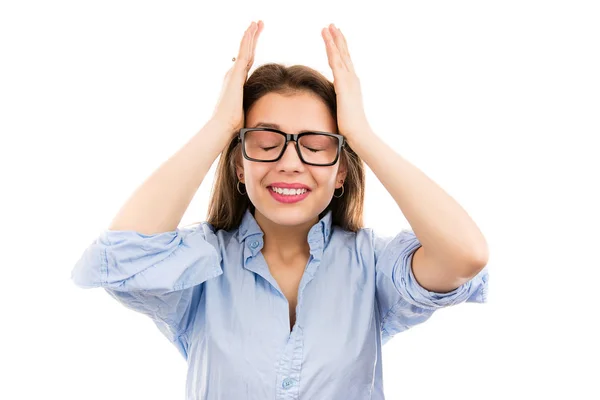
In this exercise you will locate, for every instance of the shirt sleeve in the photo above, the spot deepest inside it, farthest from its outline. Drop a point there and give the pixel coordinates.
(159, 275)
(403, 302)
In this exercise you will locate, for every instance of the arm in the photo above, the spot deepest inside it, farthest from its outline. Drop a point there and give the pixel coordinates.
(160, 275)
(403, 302)
(453, 249)
(160, 202)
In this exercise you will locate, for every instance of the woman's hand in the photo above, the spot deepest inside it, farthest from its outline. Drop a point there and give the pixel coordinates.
(351, 117)
(229, 110)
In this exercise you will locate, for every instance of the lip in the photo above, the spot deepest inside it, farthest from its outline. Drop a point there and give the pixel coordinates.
(287, 199)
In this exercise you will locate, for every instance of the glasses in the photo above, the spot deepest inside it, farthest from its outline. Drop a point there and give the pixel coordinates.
(268, 145)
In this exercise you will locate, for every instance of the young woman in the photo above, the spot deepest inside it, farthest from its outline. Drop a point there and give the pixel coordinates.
(282, 293)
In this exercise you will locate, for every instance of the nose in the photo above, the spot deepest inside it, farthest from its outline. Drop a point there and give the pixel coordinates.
(290, 157)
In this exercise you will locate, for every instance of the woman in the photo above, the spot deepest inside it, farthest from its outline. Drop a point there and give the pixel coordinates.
(281, 293)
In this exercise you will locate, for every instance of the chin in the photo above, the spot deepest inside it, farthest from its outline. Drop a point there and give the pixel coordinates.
(289, 217)
(288, 214)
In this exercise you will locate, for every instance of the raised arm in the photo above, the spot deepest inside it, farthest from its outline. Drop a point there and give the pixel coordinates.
(160, 202)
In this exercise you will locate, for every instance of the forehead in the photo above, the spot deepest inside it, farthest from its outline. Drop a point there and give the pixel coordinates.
(293, 113)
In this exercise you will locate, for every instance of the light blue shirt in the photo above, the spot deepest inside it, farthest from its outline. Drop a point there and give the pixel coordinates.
(212, 295)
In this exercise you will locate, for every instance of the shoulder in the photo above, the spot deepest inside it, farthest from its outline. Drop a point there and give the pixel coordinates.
(364, 237)
(360, 242)
(374, 243)
(219, 238)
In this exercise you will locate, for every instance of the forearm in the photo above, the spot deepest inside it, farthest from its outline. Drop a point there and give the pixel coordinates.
(160, 202)
(442, 226)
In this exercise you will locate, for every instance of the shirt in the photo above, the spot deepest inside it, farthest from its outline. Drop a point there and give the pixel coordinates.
(210, 292)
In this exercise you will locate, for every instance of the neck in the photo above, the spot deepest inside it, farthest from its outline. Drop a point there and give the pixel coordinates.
(286, 242)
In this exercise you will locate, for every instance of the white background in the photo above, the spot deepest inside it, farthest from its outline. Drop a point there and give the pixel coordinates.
(498, 102)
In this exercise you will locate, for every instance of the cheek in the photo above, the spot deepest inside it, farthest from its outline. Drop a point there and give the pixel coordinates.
(255, 173)
(325, 178)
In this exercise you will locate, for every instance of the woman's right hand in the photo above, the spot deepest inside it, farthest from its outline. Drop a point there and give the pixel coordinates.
(229, 111)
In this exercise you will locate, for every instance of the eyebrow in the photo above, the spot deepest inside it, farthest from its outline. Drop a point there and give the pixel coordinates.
(276, 126)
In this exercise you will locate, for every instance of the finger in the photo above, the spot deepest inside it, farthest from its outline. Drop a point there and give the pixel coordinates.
(341, 44)
(242, 57)
(333, 54)
(260, 27)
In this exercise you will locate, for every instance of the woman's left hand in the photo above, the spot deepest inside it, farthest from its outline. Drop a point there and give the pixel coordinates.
(351, 118)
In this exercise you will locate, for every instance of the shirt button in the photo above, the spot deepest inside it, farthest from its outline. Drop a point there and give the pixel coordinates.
(288, 383)
(254, 245)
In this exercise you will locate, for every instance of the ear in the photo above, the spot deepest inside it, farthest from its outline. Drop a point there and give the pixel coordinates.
(341, 176)
(239, 168)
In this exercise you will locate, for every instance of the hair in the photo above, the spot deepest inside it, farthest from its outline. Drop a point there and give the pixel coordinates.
(227, 206)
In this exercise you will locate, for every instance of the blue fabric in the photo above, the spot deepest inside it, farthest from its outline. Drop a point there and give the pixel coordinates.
(212, 295)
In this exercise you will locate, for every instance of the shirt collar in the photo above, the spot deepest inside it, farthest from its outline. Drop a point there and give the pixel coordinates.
(318, 234)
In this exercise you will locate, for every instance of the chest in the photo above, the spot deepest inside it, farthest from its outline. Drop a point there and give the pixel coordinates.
(245, 325)
(288, 277)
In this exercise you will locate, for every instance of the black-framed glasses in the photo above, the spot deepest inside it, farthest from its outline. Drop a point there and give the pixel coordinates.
(268, 145)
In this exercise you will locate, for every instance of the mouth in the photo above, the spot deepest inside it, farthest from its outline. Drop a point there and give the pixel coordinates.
(288, 196)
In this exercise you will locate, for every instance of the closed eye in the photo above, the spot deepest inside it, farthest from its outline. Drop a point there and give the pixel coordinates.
(312, 150)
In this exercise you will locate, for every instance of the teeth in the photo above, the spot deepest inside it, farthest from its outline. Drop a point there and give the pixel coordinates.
(288, 192)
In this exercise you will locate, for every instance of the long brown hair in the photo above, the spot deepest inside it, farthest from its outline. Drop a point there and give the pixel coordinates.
(227, 206)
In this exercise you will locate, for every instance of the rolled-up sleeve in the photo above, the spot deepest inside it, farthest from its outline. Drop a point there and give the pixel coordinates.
(402, 300)
(159, 275)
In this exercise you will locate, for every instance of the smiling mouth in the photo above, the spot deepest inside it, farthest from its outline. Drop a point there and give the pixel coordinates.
(289, 198)
(289, 192)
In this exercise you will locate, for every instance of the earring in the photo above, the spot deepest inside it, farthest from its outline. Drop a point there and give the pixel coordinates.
(238, 185)
(239, 191)
(341, 194)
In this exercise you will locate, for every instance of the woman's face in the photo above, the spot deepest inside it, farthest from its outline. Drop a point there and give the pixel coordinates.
(292, 114)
